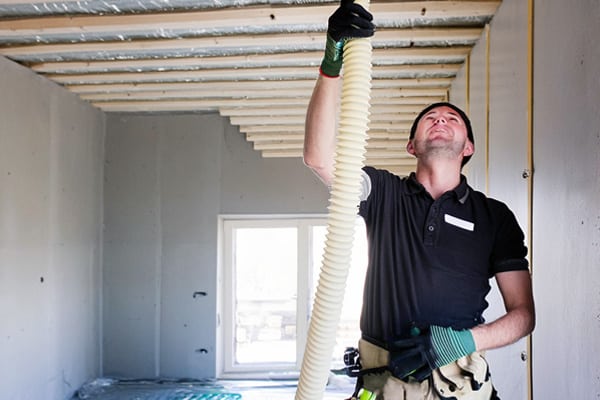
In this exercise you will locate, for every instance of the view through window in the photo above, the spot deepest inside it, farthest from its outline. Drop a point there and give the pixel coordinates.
(272, 267)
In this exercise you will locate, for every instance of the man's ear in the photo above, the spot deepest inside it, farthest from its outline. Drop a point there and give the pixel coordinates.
(469, 149)
(410, 149)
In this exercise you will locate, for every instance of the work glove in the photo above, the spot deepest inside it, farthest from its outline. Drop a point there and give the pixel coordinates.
(349, 21)
(426, 350)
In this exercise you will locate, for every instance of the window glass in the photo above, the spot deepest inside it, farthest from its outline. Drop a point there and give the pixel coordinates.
(271, 272)
(266, 288)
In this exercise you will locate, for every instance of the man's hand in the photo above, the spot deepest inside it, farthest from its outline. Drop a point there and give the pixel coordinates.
(349, 21)
(427, 350)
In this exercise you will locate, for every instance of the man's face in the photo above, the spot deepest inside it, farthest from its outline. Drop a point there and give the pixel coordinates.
(441, 132)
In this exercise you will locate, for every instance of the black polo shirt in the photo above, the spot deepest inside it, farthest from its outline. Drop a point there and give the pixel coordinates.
(430, 261)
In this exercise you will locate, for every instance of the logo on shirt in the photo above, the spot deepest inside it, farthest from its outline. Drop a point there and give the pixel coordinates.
(461, 223)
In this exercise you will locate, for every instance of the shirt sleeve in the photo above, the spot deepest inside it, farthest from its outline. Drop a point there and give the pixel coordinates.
(365, 186)
(509, 252)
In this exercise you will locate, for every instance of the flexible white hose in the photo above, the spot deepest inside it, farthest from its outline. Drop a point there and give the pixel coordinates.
(344, 200)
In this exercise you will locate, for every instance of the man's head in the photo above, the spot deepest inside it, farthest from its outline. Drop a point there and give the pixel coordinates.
(460, 113)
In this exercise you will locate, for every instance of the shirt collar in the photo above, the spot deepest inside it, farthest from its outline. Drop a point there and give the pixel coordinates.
(461, 192)
(414, 186)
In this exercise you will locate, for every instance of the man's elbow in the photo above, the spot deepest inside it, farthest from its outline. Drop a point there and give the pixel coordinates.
(311, 161)
(527, 321)
(530, 326)
(319, 167)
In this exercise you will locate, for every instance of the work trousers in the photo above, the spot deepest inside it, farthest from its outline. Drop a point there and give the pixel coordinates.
(467, 378)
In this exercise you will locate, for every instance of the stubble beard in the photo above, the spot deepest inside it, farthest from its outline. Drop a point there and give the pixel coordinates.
(438, 149)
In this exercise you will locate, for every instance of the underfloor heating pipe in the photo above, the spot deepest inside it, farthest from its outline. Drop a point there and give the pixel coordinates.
(343, 205)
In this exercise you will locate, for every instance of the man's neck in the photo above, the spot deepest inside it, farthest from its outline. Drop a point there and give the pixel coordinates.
(438, 178)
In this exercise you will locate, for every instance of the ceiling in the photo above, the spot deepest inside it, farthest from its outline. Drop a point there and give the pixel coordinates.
(253, 61)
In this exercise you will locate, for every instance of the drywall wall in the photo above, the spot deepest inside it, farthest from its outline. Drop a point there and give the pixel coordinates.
(507, 158)
(51, 166)
(254, 185)
(566, 219)
(495, 79)
(167, 180)
(161, 207)
(131, 312)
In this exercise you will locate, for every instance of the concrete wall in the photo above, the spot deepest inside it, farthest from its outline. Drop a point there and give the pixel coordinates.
(566, 216)
(51, 166)
(167, 180)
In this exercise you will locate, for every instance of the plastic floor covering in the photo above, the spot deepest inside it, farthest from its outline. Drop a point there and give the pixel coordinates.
(165, 389)
(153, 389)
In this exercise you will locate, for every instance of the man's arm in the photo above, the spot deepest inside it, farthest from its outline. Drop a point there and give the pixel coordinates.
(519, 320)
(320, 128)
(350, 20)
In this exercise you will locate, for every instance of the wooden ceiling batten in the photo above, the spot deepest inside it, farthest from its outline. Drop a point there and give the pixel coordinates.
(229, 18)
(255, 64)
(230, 44)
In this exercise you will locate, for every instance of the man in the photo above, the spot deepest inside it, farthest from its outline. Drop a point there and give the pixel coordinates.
(434, 243)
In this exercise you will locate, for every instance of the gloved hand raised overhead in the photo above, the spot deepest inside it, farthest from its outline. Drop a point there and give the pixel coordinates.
(349, 21)
(427, 350)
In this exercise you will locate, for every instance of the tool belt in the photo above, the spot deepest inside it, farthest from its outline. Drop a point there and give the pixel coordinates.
(466, 379)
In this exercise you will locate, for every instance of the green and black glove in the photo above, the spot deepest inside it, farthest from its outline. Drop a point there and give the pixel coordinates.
(349, 21)
(420, 354)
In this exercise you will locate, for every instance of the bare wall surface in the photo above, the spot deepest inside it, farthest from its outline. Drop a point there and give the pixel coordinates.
(161, 207)
(167, 180)
(51, 165)
(506, 137)
(507, 160)
(566, 193)
(255, 185)
(131, 312)
(567, 200)
(476, 110)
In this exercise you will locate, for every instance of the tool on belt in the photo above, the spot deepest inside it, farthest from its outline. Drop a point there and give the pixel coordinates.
(416, 356)
(354, 369)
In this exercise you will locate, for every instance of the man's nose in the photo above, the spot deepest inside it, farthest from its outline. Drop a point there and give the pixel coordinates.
(440, 120)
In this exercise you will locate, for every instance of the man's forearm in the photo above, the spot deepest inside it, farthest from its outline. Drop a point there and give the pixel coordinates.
(505, 330)
(519, 320)
(320, 127)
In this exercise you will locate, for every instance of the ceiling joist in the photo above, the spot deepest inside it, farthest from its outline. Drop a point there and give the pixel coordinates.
(253, 61)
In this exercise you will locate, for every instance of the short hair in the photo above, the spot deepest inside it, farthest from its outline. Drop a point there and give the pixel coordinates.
(460, 112)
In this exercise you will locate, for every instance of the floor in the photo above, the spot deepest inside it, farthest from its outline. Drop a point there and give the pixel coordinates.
(338, 388)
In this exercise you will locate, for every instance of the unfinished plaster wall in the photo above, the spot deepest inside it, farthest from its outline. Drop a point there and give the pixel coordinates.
(492, 89)
(161, 203)
(167, 180)
(51, 166)
(506, 156)
(566, 203)
(566, 183)
(255, 185)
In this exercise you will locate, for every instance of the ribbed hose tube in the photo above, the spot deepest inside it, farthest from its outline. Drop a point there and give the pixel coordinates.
(343, 206)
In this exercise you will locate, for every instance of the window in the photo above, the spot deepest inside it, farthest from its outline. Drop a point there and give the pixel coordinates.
(270, 271)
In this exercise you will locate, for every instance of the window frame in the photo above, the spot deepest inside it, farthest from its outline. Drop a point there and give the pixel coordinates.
(226, 366)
